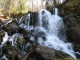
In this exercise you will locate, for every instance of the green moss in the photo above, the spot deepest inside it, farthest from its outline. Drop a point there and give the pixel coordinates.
(9, 46)
(22, 40)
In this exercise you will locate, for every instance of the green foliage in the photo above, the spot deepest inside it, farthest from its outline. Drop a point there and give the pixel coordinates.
(21, 6)
(8, 7)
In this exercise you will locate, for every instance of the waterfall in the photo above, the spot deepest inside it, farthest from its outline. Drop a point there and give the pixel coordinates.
(50, 26)
(27, 21)
(53, 28)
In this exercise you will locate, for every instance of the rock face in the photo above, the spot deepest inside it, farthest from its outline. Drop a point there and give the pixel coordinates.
(70, 14)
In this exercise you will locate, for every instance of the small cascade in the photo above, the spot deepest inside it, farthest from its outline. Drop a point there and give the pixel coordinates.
(78, 53)
(18, 45)
(28, 20)
(4, 57)
(5, 39)
(56, 11)
(53, 28)
(26, 25)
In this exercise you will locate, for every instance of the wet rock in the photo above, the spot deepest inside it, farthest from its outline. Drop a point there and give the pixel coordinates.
(11, 27)
(33, 18)
(1, 35)
(46, 53)
(1, 39)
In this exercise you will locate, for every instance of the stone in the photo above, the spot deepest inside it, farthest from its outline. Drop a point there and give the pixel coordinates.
(46, 53)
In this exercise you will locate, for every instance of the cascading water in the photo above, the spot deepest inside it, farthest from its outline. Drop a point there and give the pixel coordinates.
(50, 26)
(21, 46)
(26, 24)
(53, 27)
(5, 39)
(4, 58)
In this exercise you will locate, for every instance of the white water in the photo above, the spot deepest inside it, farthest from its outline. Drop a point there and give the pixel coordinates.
(56, 11)
(5, 39)
(53, 27)
(78, 53)
(14, 38)
(4, 57)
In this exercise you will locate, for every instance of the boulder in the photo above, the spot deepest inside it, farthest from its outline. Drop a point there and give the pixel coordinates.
(46, 53)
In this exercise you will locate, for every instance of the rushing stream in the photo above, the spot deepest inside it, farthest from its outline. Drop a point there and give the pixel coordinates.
(51, 27)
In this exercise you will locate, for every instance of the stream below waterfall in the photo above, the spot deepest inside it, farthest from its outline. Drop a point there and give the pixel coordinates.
(50, 30)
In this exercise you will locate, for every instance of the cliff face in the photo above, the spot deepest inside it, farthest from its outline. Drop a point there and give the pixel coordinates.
(70, 12)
